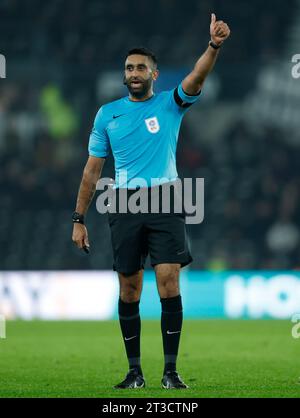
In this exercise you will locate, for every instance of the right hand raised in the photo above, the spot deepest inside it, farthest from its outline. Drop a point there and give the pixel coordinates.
(80, 235)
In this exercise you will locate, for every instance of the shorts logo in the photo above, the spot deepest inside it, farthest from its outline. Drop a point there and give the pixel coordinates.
(152, 125)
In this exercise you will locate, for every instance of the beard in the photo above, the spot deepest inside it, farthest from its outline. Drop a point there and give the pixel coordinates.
(138, 90)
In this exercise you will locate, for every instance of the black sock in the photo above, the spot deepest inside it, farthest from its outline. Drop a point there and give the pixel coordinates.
(130, 323)
(171, 324)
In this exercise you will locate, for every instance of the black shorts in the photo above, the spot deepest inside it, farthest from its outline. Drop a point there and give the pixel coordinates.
(135, 235)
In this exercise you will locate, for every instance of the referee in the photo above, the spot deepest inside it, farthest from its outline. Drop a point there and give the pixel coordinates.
(142, 131)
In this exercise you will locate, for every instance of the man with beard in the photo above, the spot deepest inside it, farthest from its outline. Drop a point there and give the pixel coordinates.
(142, 130)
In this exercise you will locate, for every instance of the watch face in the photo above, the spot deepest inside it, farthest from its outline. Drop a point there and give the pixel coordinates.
(77, 217)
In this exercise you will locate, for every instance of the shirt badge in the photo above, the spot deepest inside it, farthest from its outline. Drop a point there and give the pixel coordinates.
(152, 125)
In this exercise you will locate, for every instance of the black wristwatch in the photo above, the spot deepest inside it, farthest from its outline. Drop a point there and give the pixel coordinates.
(77, 218)
(213, 45)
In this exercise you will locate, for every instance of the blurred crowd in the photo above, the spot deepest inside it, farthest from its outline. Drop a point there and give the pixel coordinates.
(96, 33)
(252, 185)
(251, 178)
(252, 205)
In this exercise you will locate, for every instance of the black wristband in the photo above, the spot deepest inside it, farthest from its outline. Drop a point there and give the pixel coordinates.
(77, 218)
(213, 45)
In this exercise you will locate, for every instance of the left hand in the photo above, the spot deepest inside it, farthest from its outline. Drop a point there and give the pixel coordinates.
(219, 30)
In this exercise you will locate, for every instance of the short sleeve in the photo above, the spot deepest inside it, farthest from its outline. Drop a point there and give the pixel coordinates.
(183, 99)
(99, 142)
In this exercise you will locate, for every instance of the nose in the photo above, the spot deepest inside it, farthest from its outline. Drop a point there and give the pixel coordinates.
(134, 73)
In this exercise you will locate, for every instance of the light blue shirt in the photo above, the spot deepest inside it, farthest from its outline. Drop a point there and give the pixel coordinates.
(142, 135)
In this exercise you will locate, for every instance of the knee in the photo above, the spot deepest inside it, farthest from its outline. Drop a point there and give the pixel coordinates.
(169, 291)
(129, 295)
(130, 292)
(168, 285)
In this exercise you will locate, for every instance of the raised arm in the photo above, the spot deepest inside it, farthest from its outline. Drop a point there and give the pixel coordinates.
(219, 31)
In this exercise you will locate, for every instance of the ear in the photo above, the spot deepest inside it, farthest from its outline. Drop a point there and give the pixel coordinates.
(155, 75)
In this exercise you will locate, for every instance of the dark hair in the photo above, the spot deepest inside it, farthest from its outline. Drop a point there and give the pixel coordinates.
(143, 51)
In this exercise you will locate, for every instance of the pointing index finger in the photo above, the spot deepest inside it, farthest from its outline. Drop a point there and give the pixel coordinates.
(213, 18)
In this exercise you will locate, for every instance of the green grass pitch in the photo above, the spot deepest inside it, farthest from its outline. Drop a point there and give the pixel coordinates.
(218, 358)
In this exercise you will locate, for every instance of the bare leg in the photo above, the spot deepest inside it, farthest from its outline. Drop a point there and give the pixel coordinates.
(167, 279)
(131, 286)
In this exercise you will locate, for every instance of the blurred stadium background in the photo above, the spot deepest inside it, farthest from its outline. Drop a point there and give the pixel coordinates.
(64, 59)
